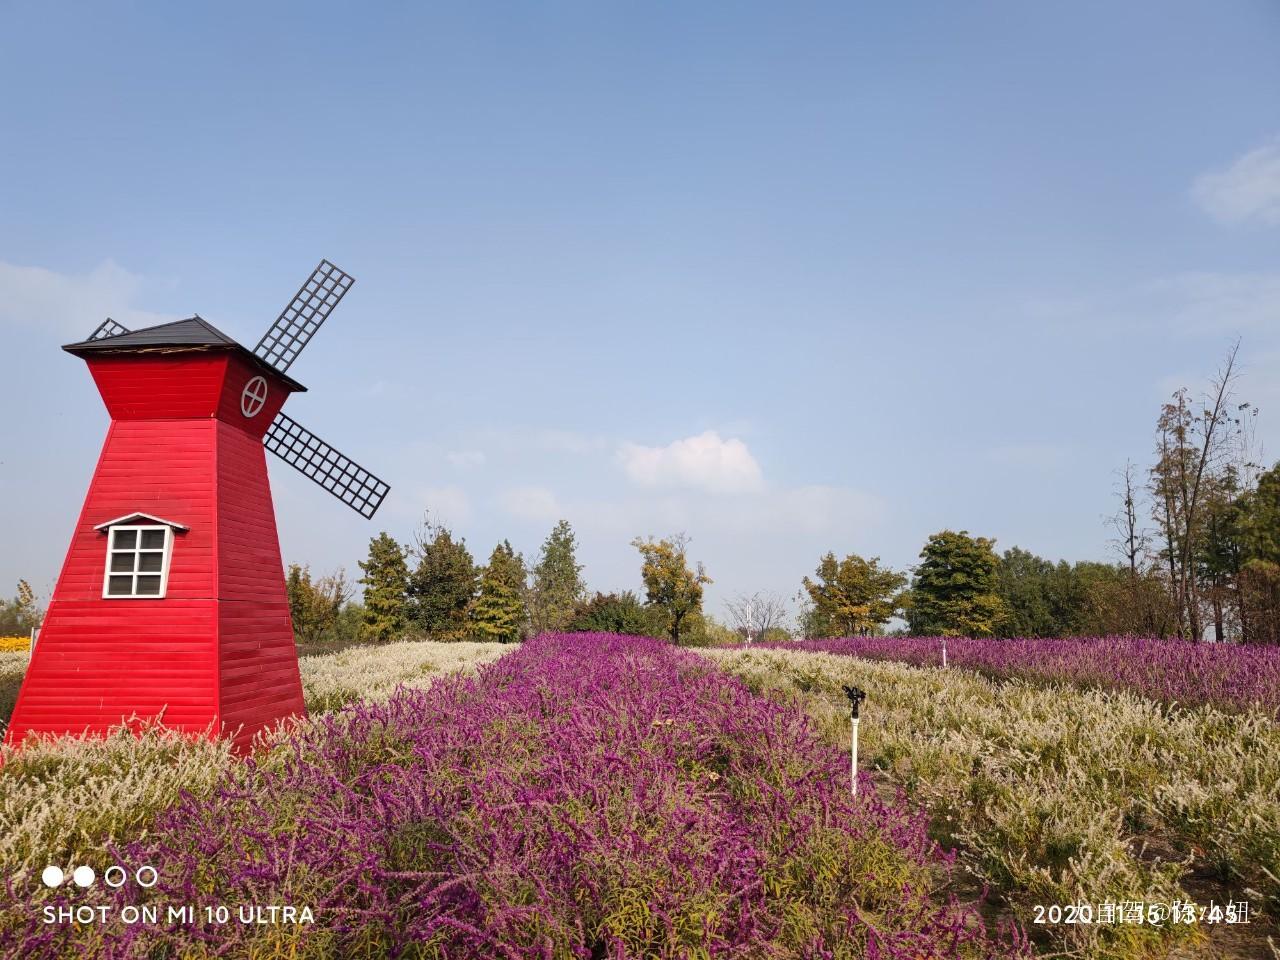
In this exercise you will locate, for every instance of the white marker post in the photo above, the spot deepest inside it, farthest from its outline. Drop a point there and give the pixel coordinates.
(856, 697)
(944, 651)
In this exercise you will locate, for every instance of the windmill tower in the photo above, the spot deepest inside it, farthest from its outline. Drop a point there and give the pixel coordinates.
(171, 603)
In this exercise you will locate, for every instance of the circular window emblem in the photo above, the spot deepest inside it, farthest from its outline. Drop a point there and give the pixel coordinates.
(254, 396)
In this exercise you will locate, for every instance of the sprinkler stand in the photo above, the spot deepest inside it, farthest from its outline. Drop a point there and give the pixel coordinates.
(856, 697)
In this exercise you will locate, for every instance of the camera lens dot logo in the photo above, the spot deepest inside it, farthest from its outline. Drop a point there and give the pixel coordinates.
(52, 876)
(84, 876)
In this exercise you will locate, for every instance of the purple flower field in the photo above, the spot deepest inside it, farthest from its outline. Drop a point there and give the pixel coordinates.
(1223, 675)
(587, 796)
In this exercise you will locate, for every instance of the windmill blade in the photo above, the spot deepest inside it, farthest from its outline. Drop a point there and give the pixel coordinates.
(300, 320)
(107, 328)
(339, 474)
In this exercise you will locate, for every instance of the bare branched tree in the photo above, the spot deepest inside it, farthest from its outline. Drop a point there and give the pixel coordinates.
(1132, 541)
(1191, 444)
(753, 615)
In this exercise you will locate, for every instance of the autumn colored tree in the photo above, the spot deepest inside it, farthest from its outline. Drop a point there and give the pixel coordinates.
(443, 585)
(557, 581)
(853, 596)
(19, 615)
(671, 586)
(315, 604)
(385, 581)
(955, 588)
(499, 612)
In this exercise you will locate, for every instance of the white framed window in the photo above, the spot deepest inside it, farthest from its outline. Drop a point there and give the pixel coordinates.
(137, 561)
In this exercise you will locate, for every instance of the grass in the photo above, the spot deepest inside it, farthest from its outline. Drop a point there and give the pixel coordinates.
(331, 681)
(1055, 794)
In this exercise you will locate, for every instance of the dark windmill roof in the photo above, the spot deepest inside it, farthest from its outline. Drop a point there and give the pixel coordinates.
(180, 336)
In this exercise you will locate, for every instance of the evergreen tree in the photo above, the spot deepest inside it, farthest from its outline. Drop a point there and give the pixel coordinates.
(443, 585)
(385, 580)
(954, 592)
(1259, 525)
(499, 612)
(557, 581)
(670, 585)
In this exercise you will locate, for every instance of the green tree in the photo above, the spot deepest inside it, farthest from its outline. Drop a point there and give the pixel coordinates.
(1260, 518)
(443, 585)
(853, 596)
(670, 585)
(615, 613)
(499, 612)
(954, 592)
(1040, 598)
(1259, 531)
(385, 583)
(557, 581)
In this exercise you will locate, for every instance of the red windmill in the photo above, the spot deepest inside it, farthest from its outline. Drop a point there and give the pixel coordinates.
(171, 603)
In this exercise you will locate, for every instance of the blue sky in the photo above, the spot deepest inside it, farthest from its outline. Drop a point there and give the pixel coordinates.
(785, 277)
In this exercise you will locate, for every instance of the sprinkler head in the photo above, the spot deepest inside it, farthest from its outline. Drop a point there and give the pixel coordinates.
(856, 697)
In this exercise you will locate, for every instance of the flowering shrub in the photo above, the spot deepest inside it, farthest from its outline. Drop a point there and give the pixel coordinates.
(1172, 671)
(14, 644)
(585, 796)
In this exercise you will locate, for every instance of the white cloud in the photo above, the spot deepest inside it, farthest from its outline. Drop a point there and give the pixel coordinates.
(705, 462)
(466, 458)
(1249, 189)
(531, 503)
(72, 304)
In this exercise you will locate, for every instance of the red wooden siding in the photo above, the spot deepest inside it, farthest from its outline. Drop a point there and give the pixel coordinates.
(240, 372)
(100, 660)
(151, 386)
(257, 657)
(160, 467)
(217, 650)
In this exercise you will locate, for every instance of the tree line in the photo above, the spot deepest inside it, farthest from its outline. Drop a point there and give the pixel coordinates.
(1197, 545)
(432, 588)
(963, 587)
(1197, 537)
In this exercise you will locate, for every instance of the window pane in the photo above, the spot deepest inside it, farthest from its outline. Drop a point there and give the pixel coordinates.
(122, 562)
(152, 539)
(148, 586)
(120, 586)
(127, 539)
(150, 562)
